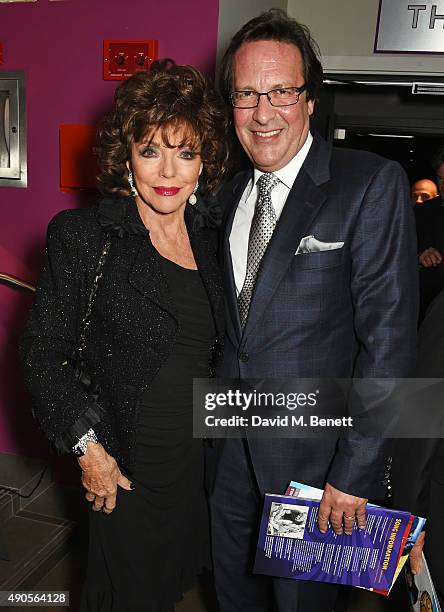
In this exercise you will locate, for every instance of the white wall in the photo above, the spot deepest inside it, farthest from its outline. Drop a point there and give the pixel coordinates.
(345, 31)
(234, 13)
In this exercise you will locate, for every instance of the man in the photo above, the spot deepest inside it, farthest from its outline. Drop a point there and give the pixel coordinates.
(430, 232)
(333, 294)
(423, 190)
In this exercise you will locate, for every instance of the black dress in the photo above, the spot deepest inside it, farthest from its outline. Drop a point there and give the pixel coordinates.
(147, 552)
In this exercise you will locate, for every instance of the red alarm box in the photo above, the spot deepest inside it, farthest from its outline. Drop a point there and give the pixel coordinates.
(123, 58)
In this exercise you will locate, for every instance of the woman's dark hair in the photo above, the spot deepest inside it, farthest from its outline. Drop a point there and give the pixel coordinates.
(275, 24)
(171, 98)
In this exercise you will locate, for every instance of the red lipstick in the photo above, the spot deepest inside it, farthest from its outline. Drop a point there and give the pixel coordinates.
(167, 191)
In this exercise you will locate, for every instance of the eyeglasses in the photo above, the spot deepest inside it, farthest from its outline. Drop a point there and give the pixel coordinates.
(283, 96)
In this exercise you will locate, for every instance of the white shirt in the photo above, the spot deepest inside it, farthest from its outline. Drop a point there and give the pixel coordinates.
(243, 217)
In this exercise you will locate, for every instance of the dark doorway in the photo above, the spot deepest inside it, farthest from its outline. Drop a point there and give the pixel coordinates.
(413, 153)
(383, 114)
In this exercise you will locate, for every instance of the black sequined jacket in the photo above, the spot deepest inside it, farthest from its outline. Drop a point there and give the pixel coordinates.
(132, 329)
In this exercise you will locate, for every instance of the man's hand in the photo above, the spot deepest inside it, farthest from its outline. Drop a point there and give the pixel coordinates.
(341, 510)
(430, 258)
(100, 477)
(416, 554)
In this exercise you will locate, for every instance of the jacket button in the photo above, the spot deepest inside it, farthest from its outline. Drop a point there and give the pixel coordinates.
(244, 357)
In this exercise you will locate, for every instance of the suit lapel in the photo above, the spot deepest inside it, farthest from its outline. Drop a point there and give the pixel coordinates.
(232, 199)
(301, 208)
(146, 275)
(121, 219)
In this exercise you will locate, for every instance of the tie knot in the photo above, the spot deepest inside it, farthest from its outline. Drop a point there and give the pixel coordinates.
(266, 183)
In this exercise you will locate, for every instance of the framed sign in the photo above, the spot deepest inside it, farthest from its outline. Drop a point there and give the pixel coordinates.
(406, 26)
(13, 166)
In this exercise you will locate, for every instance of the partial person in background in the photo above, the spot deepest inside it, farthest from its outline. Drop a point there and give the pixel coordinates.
(430, 233)
(438, 165)
(155, 322)
(418, 465)
(423, 190)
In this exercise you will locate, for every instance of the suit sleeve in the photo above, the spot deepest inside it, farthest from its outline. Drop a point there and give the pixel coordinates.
(384, 288)
(50, 340)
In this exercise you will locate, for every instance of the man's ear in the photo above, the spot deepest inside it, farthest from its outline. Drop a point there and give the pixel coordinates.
(311, 105)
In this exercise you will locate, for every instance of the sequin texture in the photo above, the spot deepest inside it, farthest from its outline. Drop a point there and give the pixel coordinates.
(132, 328)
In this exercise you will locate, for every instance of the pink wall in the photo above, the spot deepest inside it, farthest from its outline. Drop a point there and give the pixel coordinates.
(59, 46)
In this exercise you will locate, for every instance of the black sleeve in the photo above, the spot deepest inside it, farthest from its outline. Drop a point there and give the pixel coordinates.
(65, 441)
(50, 341)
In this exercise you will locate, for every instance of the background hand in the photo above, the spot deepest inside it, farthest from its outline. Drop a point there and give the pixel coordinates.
(101, 477)
(416, 554)
(430, 258)
(341, 509)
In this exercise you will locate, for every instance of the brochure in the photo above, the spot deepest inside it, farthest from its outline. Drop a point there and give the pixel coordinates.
(421, 590)
(291, 546)
(298, 489)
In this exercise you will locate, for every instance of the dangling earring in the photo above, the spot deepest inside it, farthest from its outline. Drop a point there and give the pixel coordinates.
(192, 199)
(131, 184)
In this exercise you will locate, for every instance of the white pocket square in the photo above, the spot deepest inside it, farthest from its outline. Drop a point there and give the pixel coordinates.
(310, 244)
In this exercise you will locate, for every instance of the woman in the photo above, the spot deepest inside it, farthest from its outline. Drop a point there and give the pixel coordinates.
(142, 324)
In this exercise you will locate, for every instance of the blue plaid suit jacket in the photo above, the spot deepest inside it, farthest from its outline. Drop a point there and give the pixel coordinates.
(343, 313)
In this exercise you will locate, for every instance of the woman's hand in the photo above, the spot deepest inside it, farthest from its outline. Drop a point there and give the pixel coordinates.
(100, 477)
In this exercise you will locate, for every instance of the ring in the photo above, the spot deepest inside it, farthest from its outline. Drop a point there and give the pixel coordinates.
(349, 518)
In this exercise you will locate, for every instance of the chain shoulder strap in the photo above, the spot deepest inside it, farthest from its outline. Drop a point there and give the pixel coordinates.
(92, 294)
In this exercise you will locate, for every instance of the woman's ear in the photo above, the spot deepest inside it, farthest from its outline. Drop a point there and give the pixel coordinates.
(128, 165)
(201, 168)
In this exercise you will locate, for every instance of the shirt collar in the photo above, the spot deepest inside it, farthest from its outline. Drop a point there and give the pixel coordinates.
(287, 175)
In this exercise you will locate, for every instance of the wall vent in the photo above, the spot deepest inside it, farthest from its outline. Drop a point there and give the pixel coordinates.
(431, 89)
